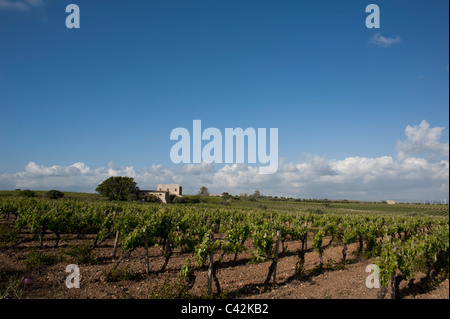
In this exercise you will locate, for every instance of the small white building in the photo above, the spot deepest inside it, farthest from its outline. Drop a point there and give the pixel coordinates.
(164, 192)
(390, 202)
(173, 189)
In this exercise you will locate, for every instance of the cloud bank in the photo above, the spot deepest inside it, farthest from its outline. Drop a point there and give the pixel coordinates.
(422, 139)
(410, 176)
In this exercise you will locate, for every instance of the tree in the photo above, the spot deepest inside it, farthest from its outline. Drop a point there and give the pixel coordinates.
(226, 195)
(203, 191)
(54, 194)
(117, 187)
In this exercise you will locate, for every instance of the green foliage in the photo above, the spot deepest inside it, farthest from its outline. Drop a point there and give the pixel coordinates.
(171, 289)
(27, 193)
(317, 241)
(316, 211)
(82, 253)
(235, 237)
(349, 234)
(54, 194)
(15, 287)
(178, 200)
(387, 262)
(435, 247)
(117, 274)
(409, 242)
(407, 252)
(117, 188)
(203, 191)
(300, 231)
(150, 198)
(8, 235)
(37, 258)
(263, 241)
(132, 197)
(192, 199)
(203, 250)
(133, 239)
(226, 195)
(186, 270)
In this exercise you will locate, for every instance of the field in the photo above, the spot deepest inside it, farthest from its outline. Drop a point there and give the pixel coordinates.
(135, 250)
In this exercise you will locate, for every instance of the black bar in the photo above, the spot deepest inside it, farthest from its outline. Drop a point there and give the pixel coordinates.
(223, 308)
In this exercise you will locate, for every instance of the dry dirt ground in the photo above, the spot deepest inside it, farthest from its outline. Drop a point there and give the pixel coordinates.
(241, 280)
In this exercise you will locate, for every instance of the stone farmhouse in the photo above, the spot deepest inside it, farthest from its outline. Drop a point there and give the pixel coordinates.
(164, 192)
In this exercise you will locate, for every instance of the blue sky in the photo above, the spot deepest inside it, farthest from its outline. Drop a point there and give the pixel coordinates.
(107, 95)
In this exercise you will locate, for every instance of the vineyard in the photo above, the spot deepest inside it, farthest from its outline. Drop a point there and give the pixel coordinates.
(210, 250)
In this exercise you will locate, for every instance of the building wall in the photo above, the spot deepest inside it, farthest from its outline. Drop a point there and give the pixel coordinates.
(163, 196)
(174, 189)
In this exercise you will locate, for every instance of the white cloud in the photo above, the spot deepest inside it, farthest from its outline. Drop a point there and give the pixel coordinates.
(316, 166)
(20, 5)
(32, 169)
(422, 139)
(383, 41)
(76, 177)
(406, 178)
(196, 169)
(118, 171)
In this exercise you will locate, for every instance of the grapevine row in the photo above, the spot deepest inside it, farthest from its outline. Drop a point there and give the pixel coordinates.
(397, 244)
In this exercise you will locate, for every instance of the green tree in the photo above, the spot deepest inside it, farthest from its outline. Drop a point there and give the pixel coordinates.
(203, 191)
(117, 187)
(226, 195)
(28, 193)
(54, 194)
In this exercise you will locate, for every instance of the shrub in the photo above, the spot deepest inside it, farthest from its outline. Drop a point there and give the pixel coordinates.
(132, 197)
(82, 253)
(195, 199)
(54, 194)
(36, 259)
(178, 200)
(8, 235)
(116, 274)
(150, 198)
(171, 289)
(27, 193)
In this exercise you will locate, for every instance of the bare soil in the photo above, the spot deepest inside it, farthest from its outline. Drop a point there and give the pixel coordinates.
(240, 280)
